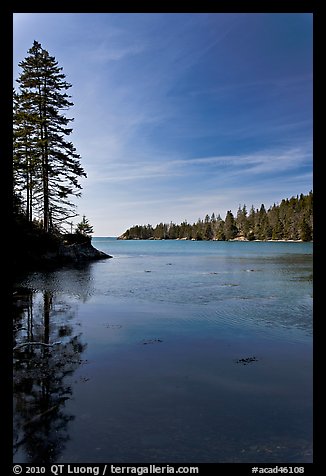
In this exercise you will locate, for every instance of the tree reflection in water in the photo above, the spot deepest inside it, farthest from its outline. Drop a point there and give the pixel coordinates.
(41, 386)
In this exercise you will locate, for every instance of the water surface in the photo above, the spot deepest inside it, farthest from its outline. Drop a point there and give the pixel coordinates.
(172, 351)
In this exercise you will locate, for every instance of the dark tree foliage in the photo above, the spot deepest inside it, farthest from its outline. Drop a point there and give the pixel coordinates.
(230, 228)
(84, 227)
(46, 167)
(292, 219)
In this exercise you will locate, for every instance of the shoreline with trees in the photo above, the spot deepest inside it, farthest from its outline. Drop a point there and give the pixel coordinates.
(291, 220)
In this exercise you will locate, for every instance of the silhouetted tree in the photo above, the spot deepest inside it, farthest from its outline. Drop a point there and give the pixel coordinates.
(45, 163)
(84, 227)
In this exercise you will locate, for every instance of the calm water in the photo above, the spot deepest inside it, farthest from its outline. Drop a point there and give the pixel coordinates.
(172, 351)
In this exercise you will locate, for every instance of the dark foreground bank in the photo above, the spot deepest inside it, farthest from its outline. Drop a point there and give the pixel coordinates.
(33, 248)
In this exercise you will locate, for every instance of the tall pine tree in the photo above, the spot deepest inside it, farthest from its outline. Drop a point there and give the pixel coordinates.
(45, 162)
(24, 155)
(230, 228)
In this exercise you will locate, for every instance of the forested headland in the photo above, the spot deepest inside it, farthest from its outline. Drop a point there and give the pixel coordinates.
(292, 219)
(46, 167)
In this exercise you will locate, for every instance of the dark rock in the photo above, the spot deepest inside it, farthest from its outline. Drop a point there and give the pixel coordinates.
(78, 252)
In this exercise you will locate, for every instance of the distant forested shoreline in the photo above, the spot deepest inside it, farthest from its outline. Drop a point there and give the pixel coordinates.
(292, 219)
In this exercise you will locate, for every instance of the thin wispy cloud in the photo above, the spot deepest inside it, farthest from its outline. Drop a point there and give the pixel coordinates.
(275, 161)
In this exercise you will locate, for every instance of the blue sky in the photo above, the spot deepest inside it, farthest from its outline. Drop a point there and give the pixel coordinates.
(179, 115)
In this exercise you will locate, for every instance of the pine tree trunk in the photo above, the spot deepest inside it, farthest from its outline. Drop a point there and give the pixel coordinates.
(45, 195)
(31, 201)
(46, 184)
(27, 196)
(27, 182)
(45, 162)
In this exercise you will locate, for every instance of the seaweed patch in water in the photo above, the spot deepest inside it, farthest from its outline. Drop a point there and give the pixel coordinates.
(151, 341)
(113, 326)
(247, 360)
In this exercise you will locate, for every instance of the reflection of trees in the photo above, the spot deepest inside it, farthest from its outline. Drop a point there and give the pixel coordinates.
(40, 371)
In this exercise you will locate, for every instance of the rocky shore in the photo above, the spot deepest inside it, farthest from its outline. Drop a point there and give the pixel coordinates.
(79, 252)
(38, 250)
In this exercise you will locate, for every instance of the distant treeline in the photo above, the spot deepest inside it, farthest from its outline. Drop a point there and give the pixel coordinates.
(292, 219)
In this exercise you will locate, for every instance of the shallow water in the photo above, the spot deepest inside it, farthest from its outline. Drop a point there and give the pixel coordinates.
(172, 351)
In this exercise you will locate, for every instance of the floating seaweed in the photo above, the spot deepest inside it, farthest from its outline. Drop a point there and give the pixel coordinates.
(247, 360)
